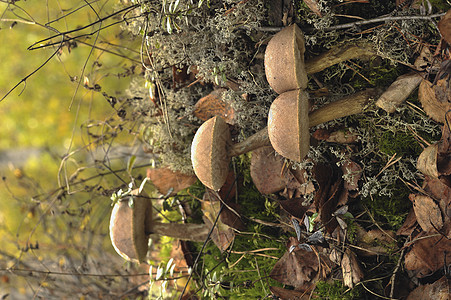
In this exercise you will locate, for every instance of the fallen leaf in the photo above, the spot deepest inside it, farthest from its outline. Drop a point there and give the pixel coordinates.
(437, 189)
(294, 207)
(314, 7)
(427, 161)
(328, 194)
(230, 213)
(439, 290)
(427, 255)
(213, 105)
(352, 173)
(444, 26)
(297, 269)
(222, 234)
(352, 273)
(409, 224)
(165, 179)
(435, 99)
(424, 60)
(444, 148)
(338, 136)
(427, 212)
(282, 293)
(266, 171)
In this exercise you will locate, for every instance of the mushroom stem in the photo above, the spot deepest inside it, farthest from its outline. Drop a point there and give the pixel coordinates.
(347, 106)
(255, 141)
(187, 232)
(337, 55)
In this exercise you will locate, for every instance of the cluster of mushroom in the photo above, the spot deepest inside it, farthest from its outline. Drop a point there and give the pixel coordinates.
(289, 119)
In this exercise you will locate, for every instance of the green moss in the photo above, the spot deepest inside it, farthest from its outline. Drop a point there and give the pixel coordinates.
(400, 143)
(337, 291)
(390, 210)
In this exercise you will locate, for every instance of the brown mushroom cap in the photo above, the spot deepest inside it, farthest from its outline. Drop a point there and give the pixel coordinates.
(288, 125)
(128, 227)
(209, 153)
(284, 60)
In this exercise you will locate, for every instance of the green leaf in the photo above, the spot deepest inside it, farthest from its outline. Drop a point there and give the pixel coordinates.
(131, 202)
(168, 25)
(131, 163)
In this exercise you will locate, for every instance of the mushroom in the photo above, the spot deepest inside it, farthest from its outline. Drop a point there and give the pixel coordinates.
(288, 125)
(212, 146)
(284, 60)
(130, 228)
(289, 121)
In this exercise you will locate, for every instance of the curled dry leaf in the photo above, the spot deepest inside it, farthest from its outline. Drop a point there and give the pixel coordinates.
(427, 212)
(165, 179)
(352, 273)
(213, 105)
(427, 161)
(435, 99)
(266, 171)
(444, 26)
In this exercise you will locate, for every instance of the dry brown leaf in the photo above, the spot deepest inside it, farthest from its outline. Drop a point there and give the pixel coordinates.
(444, 26)
(424, 60)
(409, 224)
(427, 255)
(314, 7)
(427, 161)
(435, 99)
(439, 290)
(352, 172)
(165, 179)
(230, 213)
(213, 105)
(339, 136)
(294, 207)
(352, 273)
(298, 269)
(266, 171)
(427, 212)
(222, 235)
(282, 293)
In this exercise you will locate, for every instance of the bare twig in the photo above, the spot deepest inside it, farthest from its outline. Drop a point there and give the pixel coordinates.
(387, 18)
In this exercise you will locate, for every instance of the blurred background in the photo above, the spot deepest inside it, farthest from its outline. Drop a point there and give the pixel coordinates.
(56, 155)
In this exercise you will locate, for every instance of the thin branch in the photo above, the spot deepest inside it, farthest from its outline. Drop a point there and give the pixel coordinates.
(100, 20)
(358, 23)
(383, 19)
